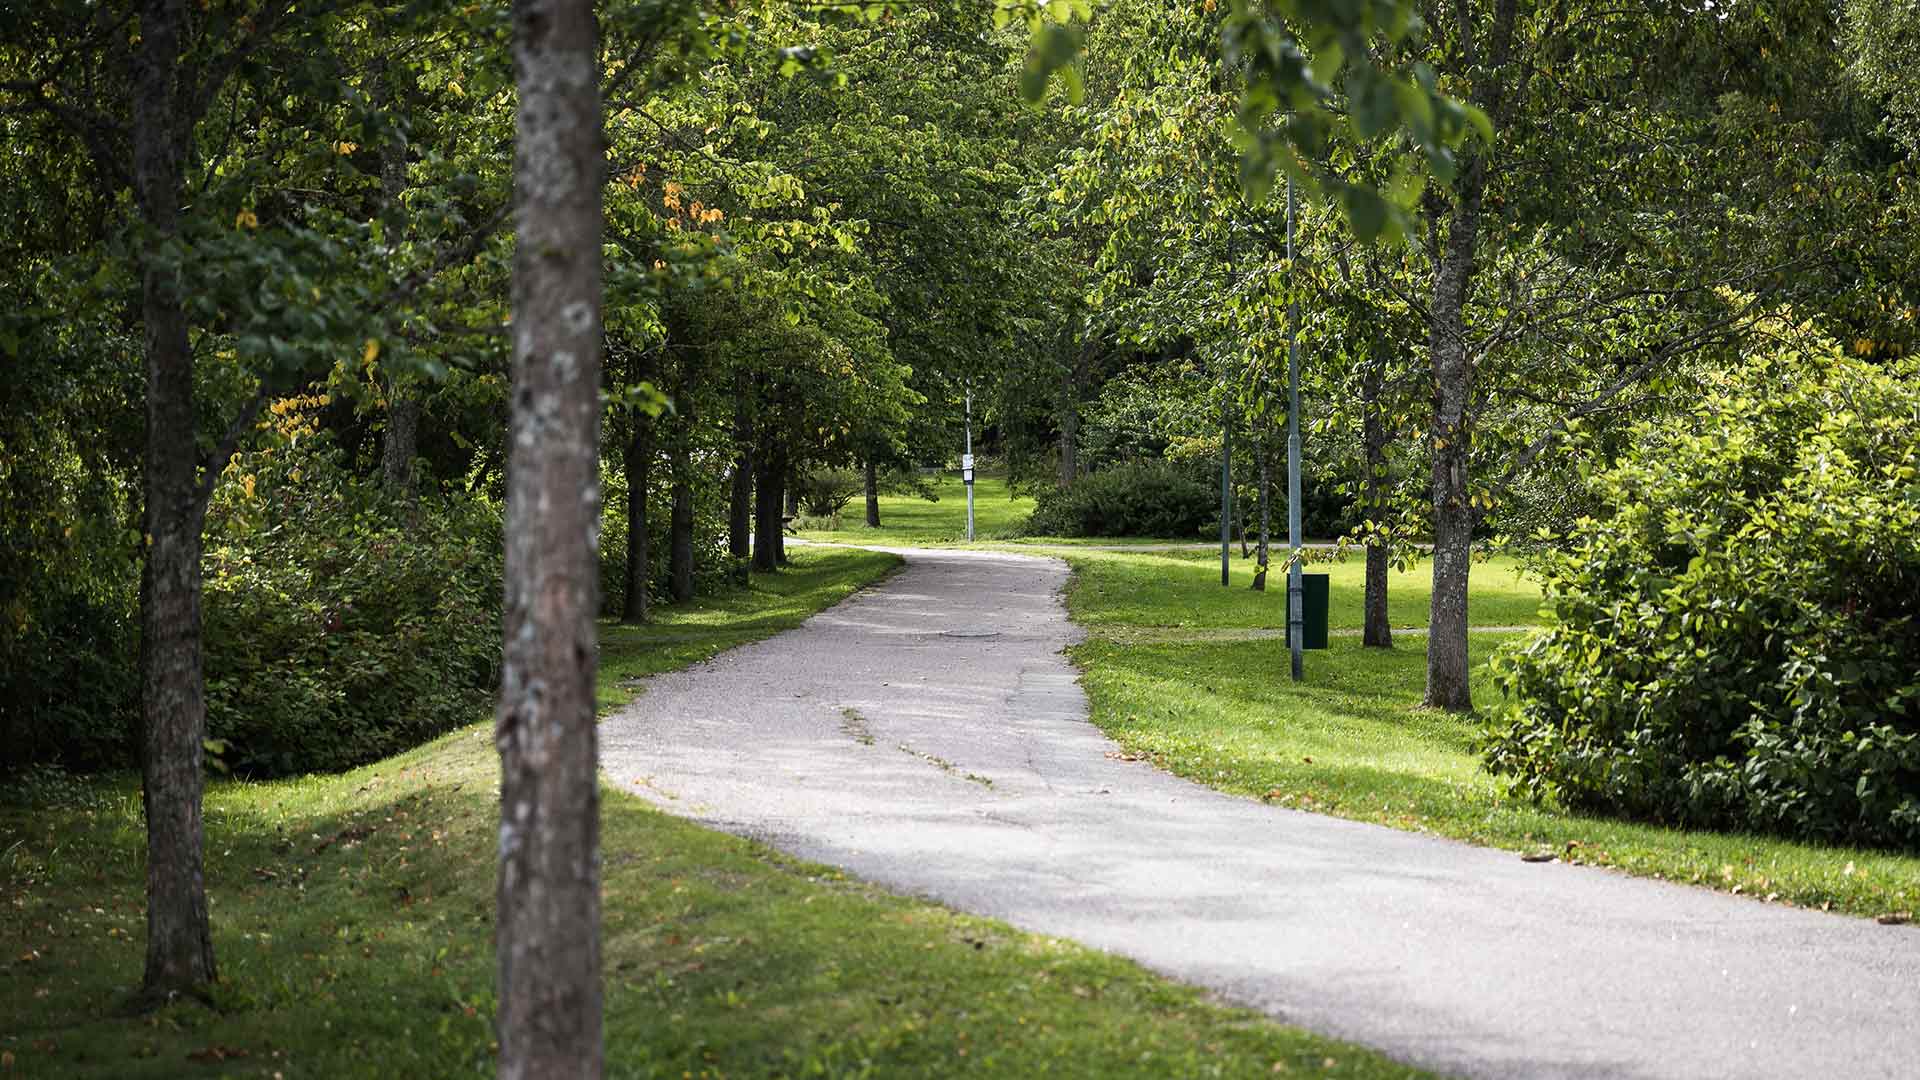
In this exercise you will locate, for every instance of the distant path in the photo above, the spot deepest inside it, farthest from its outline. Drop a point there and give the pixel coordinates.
(963, 768)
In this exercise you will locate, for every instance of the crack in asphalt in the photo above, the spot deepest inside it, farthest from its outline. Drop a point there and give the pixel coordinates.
(1456, 958)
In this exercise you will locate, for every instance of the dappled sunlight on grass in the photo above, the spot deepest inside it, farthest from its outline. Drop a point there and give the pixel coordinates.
(352, 919)
(1183, 589)
(1352, 740)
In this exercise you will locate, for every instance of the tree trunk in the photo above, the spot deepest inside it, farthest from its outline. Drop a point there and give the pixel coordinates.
(1376, 630)
(637, 606)
(1447, 669)
(740, 493)
(790, 487)
(547, 934)
(172, 673)
(680, 528)
(1070, 423)
(873, 495)
(766, 511)
(1262, 449)
(401, 445)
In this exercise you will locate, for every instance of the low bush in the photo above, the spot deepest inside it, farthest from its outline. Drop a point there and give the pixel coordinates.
(1738, 644)
(1149, 498)
(340, 626)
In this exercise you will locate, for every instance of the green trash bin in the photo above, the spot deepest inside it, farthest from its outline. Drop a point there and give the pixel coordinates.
(1313, 612)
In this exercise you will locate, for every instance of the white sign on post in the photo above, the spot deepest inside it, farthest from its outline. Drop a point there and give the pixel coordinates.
(966, 468)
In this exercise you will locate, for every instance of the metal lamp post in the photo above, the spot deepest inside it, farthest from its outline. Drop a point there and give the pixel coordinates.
(966, 464)
(1296, 618)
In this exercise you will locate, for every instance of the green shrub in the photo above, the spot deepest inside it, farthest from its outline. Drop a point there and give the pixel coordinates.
(1150, 498)
(1738, 644)
(340, 628)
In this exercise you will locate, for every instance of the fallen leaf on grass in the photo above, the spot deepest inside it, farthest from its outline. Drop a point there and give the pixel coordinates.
(1894, 918)
(215, 1054)
(1537, 856)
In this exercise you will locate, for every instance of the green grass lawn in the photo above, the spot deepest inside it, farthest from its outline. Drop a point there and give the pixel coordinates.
(1182, 589)
(909, 519)
(352, 919)
(1350, 740)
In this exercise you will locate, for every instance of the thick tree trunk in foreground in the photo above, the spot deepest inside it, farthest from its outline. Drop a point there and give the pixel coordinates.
(547, 934)
(766, 511)
(873, 495)
(637, 607)
(173, 688)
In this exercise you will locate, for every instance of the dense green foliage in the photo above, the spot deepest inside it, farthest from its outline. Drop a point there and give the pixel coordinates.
(1738, 644)
(1146, 498)
(341, 626)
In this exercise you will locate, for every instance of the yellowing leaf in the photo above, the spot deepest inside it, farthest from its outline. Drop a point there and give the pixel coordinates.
(371, 352)
(344, 147)
(246, 219)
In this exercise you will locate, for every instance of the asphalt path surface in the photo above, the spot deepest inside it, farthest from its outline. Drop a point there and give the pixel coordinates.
(894, 737)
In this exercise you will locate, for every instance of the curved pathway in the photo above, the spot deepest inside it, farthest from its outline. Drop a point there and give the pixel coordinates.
(892, 737)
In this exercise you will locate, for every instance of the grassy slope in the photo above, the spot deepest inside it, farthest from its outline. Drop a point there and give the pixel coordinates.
(352, 914)
(1350, 740)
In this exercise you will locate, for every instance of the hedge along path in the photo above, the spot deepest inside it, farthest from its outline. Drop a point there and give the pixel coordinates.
(929, 735)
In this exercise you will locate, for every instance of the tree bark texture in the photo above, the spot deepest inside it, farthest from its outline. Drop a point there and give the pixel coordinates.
(637, 606)
(740, 492)
(401, 444)
(1376, 630)
(680, 525)
(873, 495)
(766, 510)
(173, 688)
(547, 933)
(1447, 668)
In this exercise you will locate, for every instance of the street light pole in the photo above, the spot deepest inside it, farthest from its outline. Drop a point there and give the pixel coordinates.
(1296, 621)
(1226, 477)
(966, 463)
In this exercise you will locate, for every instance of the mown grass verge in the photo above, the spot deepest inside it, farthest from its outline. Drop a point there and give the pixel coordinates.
(1352, 741)
(352, 919)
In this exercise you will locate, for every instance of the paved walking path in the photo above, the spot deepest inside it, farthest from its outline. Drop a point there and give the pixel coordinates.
(886, 736)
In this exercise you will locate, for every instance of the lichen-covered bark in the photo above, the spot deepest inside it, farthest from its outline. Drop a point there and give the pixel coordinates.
(547, 934)
(173, 689)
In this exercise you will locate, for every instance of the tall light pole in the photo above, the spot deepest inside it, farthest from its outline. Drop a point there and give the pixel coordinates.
(1226, 475)
(966, 462)
(1296, 618)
